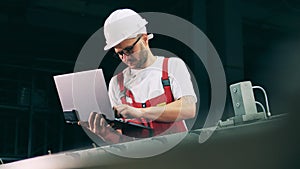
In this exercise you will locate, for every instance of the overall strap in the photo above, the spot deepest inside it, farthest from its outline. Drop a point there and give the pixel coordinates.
(167, 96)
(120, 78)
(166, 81)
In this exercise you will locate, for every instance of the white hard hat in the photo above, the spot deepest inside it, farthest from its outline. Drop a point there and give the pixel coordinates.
(123, 24)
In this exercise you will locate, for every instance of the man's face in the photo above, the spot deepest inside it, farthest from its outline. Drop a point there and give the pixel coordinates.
(133, 52)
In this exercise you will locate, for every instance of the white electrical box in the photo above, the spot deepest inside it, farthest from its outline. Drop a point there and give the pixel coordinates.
(244, 102)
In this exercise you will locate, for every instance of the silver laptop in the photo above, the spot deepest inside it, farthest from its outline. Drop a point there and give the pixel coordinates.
(84, 92)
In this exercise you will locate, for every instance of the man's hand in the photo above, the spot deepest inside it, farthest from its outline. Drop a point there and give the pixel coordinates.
(181, 109)
(127, 111)
(98, 125)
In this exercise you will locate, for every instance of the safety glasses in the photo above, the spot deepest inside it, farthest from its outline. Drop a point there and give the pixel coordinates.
(127, 50)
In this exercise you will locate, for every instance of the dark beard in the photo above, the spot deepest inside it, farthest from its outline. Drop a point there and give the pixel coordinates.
(143, 57)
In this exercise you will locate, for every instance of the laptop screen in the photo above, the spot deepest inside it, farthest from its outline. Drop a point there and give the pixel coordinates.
(85, 92)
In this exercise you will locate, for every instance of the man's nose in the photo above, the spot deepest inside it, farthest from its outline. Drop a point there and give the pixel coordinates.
(124, 56)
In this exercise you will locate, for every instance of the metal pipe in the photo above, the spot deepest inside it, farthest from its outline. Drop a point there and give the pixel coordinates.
(263, 108)
(266, 98)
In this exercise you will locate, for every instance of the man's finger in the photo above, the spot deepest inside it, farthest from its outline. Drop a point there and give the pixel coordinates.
(123, 111)
(91, 120)
(83, 124)
(115, 111)
(97, 123)
(119, 109)
(123, 114)
(103, 123)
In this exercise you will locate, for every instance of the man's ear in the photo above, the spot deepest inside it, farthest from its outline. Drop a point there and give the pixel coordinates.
(145, 39)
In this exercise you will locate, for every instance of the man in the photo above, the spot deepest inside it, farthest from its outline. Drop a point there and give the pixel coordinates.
(152, 91)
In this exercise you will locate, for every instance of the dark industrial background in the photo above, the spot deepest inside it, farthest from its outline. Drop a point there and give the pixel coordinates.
(257, 40)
